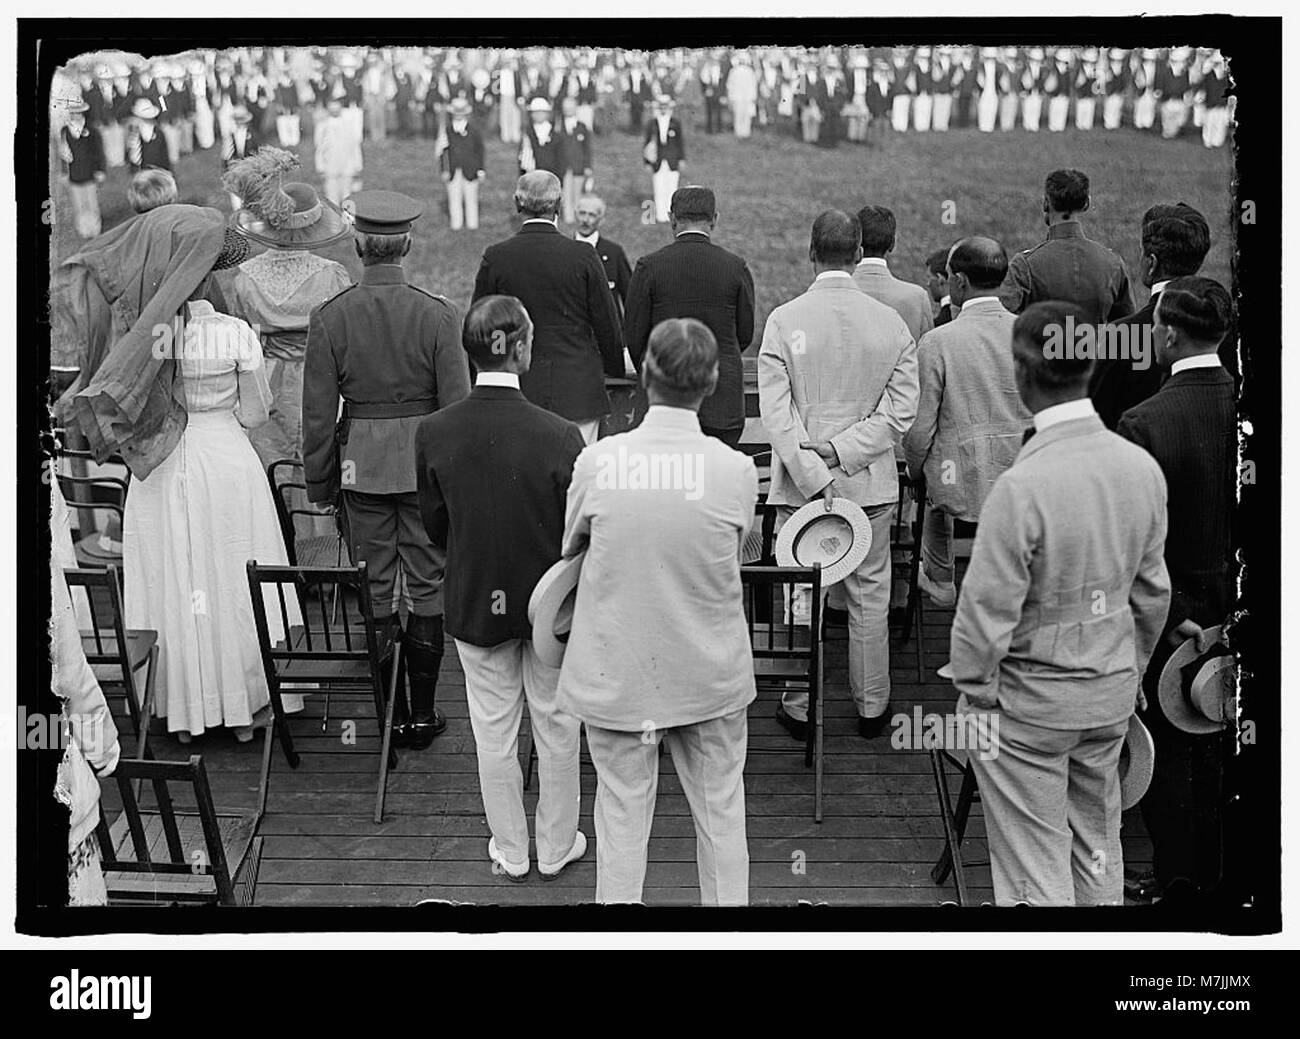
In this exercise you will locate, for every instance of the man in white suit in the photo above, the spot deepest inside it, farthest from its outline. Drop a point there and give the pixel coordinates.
(1060, 610)
(659, 647)
(837, 389)
(971, 419)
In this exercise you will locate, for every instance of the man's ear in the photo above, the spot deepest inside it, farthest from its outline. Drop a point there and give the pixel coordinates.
(357, 247)
(407, 247)
(1087, 202)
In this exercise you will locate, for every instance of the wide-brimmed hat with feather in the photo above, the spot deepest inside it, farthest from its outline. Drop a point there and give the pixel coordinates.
(279, 213)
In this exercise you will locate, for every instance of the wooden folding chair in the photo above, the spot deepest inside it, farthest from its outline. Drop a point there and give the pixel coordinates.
(100, 504)
(318, 656)
(786, 652)
(115, 653)
(954, 819)
(170, 857)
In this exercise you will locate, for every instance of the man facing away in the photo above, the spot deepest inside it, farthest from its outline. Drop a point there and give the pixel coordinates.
(970, 420)
(469, 457)
(1068, 266)
(1190, 428)
(837, 389)
(1060, 610)
(392, 352)
(562, 285)
(1175, 240)
(695, 278)
(872, 274)
(659, 647)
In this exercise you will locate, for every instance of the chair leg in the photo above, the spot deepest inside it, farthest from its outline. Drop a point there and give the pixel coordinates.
(386, 745)
(246, 883)
(265, 779)
(146, 708)
(325, 722)
(820, 749)
(920, 641)
(951, 857)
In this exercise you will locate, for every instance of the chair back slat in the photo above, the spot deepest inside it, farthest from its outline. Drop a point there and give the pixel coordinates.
(133, 821)
(769, 598)
(211, 831)
(166, 810)
(103, 588)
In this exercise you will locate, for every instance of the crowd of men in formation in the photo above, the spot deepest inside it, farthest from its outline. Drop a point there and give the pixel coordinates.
(551, 102)
(1094, 478)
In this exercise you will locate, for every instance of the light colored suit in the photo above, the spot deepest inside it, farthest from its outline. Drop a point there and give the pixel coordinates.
(838, 365)
(912, 302)
(969, 423)
(659, 646)
(1060, 610)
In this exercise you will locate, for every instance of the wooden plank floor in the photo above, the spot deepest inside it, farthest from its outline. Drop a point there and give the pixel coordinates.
(880, 835)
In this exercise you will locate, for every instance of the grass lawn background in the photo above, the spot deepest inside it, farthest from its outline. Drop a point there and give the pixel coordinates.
(770, 187)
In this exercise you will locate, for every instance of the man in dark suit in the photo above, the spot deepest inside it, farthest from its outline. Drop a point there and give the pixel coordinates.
(1068, 266)
(466, 457)
(1189, 427)
(692, 277)
(562, 284)
(664, 151)
(463, 167)
(541, 147)
(392, 352)
(1175, 240)
(575, 157)
(591, 214)
(936, 269)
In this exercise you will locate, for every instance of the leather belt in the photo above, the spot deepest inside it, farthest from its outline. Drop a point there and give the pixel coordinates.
(391, 409)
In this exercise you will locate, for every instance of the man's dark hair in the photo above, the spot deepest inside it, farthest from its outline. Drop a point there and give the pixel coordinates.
(682, 356)
(879, 229)
(1201, 307)
(835, 238)
(982, 260)
(1067, 191)
(1039, 328)
(1178, 236)
(937, 261)
(693, 203)
(492, 327)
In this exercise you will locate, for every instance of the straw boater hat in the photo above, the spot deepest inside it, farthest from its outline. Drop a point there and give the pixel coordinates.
(539, 104)
(1198, 691)
(1137, 760)
(839, 540)
(144, 109)
(550, 609)
(460, 108)
(283, 215)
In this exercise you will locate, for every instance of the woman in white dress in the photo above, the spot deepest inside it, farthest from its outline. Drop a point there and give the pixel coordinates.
(193, 523)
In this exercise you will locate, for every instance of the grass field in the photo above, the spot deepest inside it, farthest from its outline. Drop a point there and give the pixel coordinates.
(771, 187)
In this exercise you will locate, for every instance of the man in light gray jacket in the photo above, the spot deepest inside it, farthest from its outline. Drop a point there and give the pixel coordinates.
(970, 420)
(1060, 610)
(837, 389)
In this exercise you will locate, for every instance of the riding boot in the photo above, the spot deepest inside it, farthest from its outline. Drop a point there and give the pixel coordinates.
(422, 647)
(388, 631)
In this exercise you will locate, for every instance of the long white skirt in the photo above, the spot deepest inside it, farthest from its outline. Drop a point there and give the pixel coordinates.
(189, 530)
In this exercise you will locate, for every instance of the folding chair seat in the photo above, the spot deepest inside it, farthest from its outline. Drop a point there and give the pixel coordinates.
(164, 856)
(954, 819)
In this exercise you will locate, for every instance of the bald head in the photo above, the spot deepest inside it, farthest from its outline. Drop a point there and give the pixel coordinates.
(538, 195)
(976, 267)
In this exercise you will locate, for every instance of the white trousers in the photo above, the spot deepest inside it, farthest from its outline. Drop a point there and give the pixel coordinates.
(743, 117)
(587, 116)
(571, 189)
(1112, 111)
(289, 129)
(899, 111)
(511, 121)
(1007, 106)
(498, 681)
(1215, 131)
(340, 186)
(113, 137)
(1031, 111)
(85, 208)
(1058, 111)
(172, 135)
(709, 758)
(462, 201)
(942, 112)
(987, 113)
(1144, 111)
(1173, 117)
(922, 108)
(665, 183)
(1085, 110)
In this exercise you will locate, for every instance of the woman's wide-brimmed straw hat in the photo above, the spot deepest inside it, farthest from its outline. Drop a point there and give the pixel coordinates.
(278, 213)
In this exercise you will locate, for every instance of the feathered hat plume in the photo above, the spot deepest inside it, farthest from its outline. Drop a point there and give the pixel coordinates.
(257, 181)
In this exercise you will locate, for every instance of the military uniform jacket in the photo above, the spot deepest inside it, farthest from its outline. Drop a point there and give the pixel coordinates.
(393, 353)
(1072, 267)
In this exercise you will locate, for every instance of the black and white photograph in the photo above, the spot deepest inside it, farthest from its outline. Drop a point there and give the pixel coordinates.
(782, 473)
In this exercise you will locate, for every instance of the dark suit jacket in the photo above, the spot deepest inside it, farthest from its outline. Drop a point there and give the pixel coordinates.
(492, 474)
(671, 150)
(548, 156)
(618, 272)
(945, 314)
(576, 335)
(575, 148)
(695, 278)
(464, 152)
(1115, 385)
(1190, 428)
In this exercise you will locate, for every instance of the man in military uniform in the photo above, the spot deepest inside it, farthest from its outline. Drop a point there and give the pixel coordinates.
(392, 352)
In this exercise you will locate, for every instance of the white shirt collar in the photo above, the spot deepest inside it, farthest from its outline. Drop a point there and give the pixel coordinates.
(1071, 409)
(539, 220)
(578, 236)
(833, 274)
(1159, 286)
(1199, 361)
(989, 301)
(946, 301)
(510, 379)
(874, 261)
